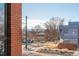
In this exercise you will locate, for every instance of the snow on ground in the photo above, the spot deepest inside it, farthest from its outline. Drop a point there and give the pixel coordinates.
(31, 52)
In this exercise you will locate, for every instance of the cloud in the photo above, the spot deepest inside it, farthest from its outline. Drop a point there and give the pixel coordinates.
(31, 23)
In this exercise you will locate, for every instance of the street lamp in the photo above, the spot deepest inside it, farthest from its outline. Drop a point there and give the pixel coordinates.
(26, 33)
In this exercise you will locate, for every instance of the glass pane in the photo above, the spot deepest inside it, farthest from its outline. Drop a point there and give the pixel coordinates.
(1, 29)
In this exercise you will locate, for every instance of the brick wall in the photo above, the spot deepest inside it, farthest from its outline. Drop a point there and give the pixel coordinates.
(14, 29)
(68, 46)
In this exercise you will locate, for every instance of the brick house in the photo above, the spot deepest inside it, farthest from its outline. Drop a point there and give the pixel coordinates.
(34, 35)
(14, 28)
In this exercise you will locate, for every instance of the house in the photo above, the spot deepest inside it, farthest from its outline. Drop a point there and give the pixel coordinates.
(70, 33)
(42, 35)
(36, 35)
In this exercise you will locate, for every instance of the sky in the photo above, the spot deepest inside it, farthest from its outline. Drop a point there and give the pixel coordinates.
(39, 13)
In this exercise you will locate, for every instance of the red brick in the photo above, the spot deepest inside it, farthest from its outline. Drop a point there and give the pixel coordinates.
(14, 29)
(68, 46)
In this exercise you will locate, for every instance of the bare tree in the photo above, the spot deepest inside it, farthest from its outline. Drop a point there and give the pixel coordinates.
(37, 29)
(54, 23)
(52, 27)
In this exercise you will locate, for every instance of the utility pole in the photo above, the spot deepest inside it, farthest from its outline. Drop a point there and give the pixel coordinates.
(26, 34)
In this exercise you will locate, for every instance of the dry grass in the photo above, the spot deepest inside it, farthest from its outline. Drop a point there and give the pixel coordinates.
(51, 45)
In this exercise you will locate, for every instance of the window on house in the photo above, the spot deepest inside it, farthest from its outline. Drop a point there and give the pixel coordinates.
(75, 31)
(66, 31)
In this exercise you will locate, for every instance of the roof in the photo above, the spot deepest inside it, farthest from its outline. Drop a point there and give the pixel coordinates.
(71, 25)
(74, 23)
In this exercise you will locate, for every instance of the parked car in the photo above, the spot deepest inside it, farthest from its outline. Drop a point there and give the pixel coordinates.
(28, 41)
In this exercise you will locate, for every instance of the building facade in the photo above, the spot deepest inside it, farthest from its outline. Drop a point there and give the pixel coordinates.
(13, 32)
(70, 33)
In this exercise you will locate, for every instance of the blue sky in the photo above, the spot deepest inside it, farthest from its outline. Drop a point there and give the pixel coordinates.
(45, 11)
